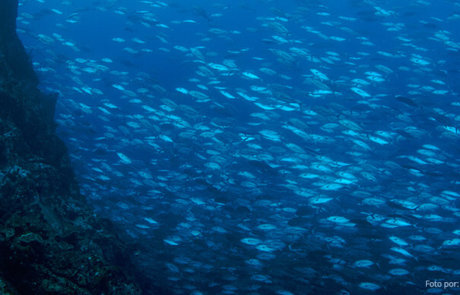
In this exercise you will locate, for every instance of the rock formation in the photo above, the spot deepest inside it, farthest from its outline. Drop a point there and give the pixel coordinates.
(50, 241)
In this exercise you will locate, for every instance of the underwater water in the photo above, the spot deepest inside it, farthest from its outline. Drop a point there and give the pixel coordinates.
(264, 147)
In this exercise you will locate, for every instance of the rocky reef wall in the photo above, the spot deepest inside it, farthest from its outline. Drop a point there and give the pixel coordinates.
(50, 240)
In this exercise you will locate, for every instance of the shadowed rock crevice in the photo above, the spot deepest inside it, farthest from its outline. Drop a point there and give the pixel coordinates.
(50, 241)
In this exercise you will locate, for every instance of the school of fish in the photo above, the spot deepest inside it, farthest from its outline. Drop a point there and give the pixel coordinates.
(264, 147)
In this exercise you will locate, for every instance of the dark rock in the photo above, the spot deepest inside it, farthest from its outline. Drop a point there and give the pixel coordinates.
(11, 47)
(50, 241)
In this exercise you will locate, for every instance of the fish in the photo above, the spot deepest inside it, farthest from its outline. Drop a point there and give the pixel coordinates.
(307, 148)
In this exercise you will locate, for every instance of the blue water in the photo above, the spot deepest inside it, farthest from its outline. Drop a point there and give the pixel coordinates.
(264, 147)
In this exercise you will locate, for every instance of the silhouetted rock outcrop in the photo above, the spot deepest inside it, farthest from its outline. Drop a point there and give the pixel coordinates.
(11, 47)
(50, 241)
